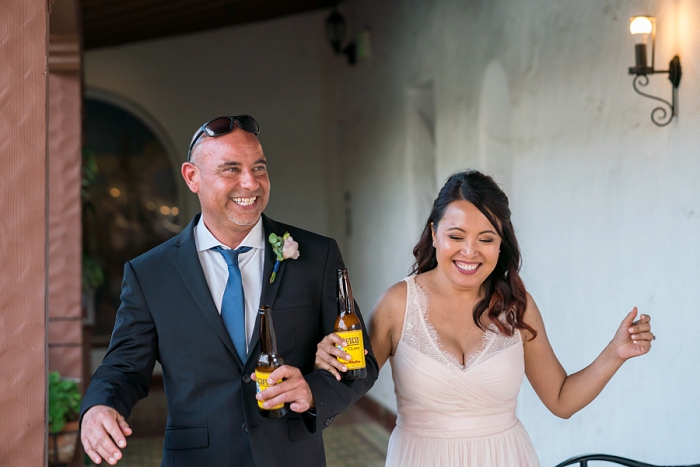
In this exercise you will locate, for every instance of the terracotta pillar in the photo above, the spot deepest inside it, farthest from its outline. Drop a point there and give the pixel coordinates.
(23, 230)
(65, 336)
(65, 316)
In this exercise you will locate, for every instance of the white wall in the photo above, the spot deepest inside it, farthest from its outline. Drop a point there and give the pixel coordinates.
(271, 70)
(606, 204)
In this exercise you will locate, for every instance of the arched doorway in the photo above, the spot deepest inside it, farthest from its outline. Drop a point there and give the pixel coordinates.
(131, 202)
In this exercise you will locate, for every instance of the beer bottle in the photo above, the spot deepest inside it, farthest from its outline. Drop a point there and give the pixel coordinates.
(268, 361)
(349, 327)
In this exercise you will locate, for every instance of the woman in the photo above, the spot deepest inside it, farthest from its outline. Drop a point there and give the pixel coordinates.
(462, 332)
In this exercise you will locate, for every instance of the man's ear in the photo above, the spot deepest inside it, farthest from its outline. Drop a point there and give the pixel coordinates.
(190, 173)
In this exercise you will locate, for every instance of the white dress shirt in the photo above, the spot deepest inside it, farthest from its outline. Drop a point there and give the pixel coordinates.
(216, 271)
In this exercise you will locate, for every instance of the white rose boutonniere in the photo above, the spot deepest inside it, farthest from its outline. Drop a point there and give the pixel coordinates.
(284, 247)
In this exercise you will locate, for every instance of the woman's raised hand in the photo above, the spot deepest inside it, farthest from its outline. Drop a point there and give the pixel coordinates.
(326, 352)
(633, 338)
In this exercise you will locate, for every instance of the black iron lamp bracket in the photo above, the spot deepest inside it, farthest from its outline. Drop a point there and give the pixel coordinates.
(335, 30)
(661, 116)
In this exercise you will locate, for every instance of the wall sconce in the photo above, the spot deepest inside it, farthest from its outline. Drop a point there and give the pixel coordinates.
(335, 31)
(642, 27)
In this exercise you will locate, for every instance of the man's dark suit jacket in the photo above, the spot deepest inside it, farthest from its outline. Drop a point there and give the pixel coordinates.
(167, 314)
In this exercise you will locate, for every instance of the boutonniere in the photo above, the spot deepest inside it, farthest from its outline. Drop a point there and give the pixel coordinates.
(284, 247)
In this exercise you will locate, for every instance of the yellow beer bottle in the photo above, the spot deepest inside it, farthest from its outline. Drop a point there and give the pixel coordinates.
(349, 327)
(268, 361)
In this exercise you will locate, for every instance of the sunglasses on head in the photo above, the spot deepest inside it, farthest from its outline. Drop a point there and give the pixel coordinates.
(223, 125)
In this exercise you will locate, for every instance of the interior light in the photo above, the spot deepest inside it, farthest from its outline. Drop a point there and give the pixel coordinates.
(644, 29)
(640, 25)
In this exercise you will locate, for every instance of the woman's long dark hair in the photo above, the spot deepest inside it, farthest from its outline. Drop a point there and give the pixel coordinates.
(505, 291)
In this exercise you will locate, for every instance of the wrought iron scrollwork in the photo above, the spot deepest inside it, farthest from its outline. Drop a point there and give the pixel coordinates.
(665, 117)
(660, 115)
(582, 461)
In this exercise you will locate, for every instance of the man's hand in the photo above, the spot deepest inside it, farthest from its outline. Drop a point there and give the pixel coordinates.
(292, 389)
(101, 428)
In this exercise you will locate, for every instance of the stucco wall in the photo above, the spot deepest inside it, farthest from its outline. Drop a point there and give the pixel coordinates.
(270, 70)
(605, 203)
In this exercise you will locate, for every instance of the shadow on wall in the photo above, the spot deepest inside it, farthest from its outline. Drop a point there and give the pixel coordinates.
(495, 148)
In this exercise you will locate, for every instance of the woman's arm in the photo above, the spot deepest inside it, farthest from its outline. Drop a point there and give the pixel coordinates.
(384, 333)
(563, 394)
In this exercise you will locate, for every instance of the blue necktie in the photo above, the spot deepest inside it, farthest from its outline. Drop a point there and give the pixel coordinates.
(233, 304)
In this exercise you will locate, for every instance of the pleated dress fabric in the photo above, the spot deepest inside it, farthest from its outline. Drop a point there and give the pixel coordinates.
(451, 414)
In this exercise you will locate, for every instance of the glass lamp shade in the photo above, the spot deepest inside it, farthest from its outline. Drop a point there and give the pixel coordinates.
(642, 28)
(640, 25)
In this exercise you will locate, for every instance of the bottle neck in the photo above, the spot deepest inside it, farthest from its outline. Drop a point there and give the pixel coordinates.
(346, 302)
(347, 307)
(268, 338)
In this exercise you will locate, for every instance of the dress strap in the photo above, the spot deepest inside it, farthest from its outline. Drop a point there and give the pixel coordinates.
(416, 333)
(412, 315)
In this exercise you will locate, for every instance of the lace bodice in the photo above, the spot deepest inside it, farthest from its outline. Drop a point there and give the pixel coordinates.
(419, 334)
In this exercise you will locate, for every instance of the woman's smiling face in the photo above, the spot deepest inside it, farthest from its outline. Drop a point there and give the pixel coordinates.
(467, 245)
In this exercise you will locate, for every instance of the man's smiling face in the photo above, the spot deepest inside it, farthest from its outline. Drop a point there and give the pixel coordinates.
(229, 175)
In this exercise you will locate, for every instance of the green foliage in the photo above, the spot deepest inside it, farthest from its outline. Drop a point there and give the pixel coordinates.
(93, 276)
(89, 176)
(277, 243)
(64, 401)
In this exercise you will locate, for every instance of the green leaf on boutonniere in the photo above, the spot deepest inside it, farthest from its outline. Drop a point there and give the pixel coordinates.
(278, 247)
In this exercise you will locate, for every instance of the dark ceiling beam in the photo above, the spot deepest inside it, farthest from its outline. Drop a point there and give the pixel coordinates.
(109, 22)
(124, 12)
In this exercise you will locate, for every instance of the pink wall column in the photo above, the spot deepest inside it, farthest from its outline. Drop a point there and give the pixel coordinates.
(65, 331)
(23, 290)
(65, 316)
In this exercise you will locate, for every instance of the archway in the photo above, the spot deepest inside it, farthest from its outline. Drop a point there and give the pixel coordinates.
(131, 204)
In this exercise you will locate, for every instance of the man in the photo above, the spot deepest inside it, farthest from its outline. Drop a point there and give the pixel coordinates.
(176, 302)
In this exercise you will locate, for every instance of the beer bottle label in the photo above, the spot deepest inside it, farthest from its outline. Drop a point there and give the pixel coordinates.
(355, 348)
(261, 384)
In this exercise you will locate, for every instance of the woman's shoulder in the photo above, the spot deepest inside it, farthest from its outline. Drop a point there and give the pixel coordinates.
(532, 317)
(531, 310)
(395, 296)
(391, 305)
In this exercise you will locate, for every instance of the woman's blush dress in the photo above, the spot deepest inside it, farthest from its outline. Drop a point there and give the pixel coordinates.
(451, 414)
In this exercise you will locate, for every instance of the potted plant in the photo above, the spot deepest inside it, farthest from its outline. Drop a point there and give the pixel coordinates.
(64, 409)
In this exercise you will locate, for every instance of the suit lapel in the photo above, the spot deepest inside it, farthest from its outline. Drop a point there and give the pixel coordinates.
(187, 264)
(269, 291)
